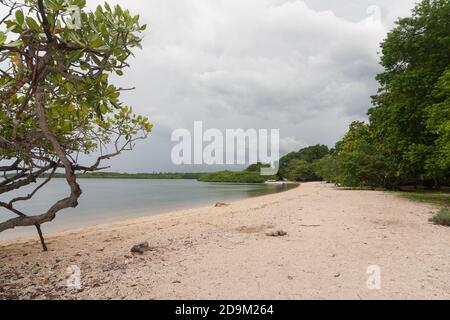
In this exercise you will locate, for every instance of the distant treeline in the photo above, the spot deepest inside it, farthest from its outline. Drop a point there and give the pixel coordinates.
(251, 175)
(115, 175)
(232, 177)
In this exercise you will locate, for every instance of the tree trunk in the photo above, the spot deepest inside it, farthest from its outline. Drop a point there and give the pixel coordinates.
(41, 237)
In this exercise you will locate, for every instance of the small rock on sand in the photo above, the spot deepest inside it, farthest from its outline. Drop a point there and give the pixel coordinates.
(220, 205)
(141, 248)
(279, 233)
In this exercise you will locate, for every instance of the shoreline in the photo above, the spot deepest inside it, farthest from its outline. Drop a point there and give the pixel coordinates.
(333, 236)
(21, 240)
(145, 214)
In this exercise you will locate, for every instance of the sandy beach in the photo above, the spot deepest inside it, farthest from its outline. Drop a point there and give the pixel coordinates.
(333, 236)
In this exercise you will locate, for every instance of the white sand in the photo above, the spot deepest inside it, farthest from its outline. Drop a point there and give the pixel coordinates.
(224, 253)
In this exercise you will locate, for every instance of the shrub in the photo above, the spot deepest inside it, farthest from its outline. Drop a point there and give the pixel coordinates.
(442, 218)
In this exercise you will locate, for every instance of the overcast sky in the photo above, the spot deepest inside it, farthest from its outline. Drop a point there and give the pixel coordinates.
(304, 67)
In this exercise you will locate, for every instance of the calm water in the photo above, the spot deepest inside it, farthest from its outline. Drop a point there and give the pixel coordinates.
(105, 200)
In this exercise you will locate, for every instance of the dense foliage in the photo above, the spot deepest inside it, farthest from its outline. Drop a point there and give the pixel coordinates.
(302, 165)
(257, 167)
(407, 138)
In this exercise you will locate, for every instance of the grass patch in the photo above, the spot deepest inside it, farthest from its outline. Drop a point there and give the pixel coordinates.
(442, 199)
(442, 218)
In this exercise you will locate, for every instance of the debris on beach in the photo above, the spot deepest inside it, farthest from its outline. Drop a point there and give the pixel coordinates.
(220, 205)
(141, 248)
(279, 233)
(256, 229)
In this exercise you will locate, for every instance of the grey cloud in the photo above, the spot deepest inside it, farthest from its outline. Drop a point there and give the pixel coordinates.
(305, 67)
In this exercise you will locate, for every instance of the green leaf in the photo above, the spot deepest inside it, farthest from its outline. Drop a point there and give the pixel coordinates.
(20, 17)
(15, 44)
(32, 24)
(75, 55)
(2, 37)
(97, 42)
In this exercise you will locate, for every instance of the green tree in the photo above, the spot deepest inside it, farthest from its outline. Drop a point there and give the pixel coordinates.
(301, 170)
(308, 154)
(56, 99)
(438, 123)
(358, 162)
(327, 168)
(415, 56)
(313, 153)
(256, 167)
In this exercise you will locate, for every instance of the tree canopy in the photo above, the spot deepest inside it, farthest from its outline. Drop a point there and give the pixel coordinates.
(301, 165)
